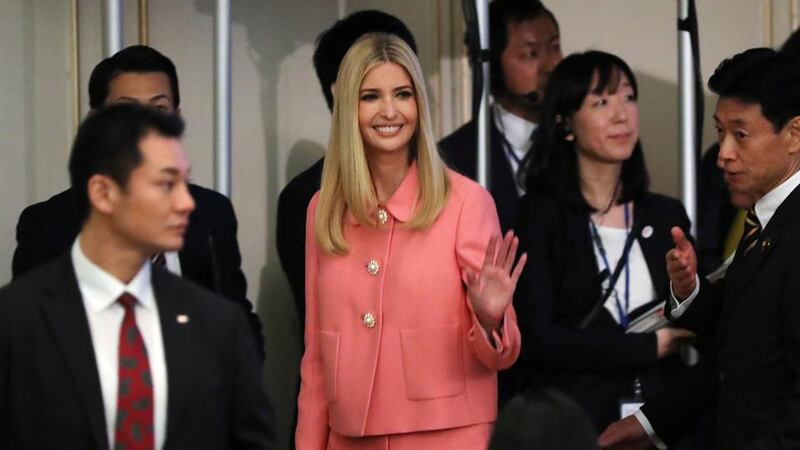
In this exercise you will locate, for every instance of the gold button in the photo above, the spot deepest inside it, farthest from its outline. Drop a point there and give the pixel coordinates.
(368, 320)
(373, 267)
(383, 216)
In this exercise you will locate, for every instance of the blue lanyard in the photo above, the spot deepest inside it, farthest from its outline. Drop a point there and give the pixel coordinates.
(623, 311)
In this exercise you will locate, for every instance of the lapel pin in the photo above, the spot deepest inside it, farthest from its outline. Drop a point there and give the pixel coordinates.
(647, 231)
(182, 318)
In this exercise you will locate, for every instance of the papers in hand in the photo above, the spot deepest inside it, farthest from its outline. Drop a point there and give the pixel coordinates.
(648, 321)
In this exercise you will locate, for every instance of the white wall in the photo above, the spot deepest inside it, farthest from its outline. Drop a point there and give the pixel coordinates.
(280, 122)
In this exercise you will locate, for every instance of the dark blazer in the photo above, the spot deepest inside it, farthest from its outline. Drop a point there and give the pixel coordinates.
(560, 285)
(291, 230)
(210, 255)
(460, 152)
(50, 395)
(754, 372)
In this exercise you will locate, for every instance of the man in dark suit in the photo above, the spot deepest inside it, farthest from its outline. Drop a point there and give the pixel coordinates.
(101, 349)
(210, 256)
(524, 46)
(753, 314)
(293, 200)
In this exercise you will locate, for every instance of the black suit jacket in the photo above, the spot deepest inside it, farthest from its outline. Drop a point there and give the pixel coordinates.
(460, 152)
(210, 255)
(291, 230)
(50, 395)
(560, 285)
(754, 373)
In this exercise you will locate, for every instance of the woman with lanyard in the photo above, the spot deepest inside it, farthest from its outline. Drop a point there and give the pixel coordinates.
(596, 240)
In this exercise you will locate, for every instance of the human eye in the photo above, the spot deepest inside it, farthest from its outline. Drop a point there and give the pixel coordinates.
(166, 184)
(531, 54)
(405, 94)
(600, 102)
(741, 134)
(368, 96)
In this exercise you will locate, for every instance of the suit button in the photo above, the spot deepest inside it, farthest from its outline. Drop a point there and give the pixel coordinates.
(368, 320)
(383, 216)
(373, 267)
(721, 376)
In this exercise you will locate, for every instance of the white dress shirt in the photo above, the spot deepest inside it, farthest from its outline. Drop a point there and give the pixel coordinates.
(100, 291)
(765, 208)
(519, 134)
(173, 263)
(642, 290)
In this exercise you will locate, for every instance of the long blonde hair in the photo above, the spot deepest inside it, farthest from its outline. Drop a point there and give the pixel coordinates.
(346, 182)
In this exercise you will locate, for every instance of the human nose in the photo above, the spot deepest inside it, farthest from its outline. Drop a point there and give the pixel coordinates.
(726, 152)
(184, 202)
(620, 111)
(388, 108)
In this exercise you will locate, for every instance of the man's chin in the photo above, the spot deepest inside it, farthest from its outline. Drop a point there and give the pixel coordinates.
(174, 245)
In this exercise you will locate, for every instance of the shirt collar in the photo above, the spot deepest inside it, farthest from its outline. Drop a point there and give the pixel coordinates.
(516, 130)
(403, 202)
(103, 288)
(768, 204)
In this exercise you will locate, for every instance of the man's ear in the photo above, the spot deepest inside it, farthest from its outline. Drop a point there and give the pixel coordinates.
(793, 135)
(104, 193)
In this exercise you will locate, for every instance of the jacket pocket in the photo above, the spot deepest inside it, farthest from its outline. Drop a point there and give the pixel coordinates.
(329, 354)
(433, 366)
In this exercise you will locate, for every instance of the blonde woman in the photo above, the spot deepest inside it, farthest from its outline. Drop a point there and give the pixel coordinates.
(408, 282)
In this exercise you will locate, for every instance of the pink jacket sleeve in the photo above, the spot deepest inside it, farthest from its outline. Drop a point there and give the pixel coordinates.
(312, 421)
(476, 225)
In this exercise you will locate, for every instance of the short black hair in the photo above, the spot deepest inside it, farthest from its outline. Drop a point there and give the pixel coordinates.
(133, 59)
(543, 419)
(333, 43)
(501, 14)
(552, 164)
(107, 143)
(764, 77)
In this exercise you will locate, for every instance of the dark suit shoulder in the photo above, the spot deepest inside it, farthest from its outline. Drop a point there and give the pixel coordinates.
(42, 207)
(303, 186)
(663, 209)
(44, 231)
(540, 205)
(25, 292)
(60, 207)
(661, 201)
(208, 198)
(458, 148)
(465, 134)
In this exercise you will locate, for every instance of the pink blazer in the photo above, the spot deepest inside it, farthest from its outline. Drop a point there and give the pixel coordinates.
(392, 345)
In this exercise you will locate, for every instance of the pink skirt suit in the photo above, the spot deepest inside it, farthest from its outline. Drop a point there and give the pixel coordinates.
(394, 355)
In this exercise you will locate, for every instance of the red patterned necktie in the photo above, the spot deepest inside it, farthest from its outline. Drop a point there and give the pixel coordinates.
(134, 427)
(159, 259)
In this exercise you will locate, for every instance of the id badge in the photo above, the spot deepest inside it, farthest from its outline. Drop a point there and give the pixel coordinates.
(628, 406)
